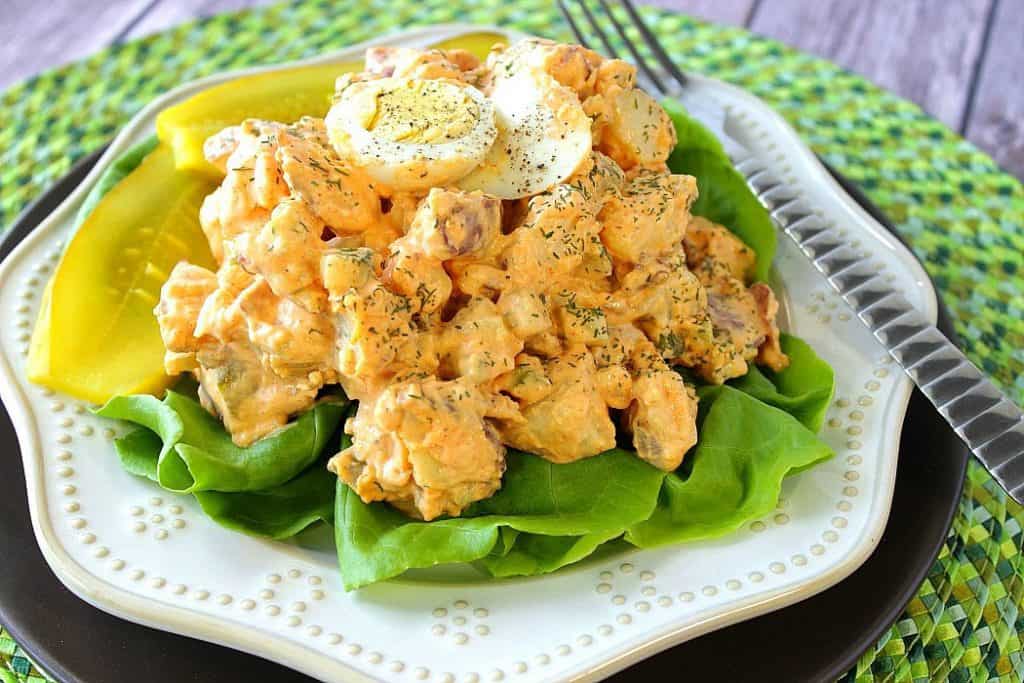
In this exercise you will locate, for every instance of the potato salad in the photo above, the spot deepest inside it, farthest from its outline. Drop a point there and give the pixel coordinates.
(485, 255)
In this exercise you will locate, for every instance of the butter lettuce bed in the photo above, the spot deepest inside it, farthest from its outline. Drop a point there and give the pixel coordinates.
(753, 432)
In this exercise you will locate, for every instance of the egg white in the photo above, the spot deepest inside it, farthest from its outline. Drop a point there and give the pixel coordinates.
(405, 166)
(543, 136)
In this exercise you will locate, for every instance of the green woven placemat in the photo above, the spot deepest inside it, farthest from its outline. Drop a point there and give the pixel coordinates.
(963, 217)
(16, 666)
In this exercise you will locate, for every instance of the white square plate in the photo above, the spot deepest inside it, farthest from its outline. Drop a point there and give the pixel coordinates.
(153, 558)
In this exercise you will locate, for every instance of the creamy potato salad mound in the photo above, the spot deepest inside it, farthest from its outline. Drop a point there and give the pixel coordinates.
(483, 255)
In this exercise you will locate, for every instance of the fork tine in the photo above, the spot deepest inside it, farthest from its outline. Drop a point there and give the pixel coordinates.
(637, 58)
(655, 45)
(596, 28)
(580, 38)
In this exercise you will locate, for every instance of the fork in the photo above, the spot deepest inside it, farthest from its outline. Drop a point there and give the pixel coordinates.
(990, 424)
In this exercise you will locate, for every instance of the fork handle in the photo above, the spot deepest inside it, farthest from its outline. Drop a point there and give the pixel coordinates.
(990, 424)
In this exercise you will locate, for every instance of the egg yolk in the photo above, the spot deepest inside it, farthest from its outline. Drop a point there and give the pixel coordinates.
(423, 112)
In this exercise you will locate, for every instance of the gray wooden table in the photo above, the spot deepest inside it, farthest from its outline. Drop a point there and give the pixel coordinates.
(961, 60)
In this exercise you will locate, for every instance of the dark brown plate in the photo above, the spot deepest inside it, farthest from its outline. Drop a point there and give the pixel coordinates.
(815, 640)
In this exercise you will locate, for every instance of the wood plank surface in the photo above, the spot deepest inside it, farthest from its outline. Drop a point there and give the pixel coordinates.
(995, 120)
(40, 35)
(924, 50)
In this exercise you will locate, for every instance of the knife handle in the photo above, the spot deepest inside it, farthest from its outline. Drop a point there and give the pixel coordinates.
(990, 424)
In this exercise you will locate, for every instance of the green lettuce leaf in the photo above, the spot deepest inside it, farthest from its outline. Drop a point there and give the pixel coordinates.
(745, 450)
(804, 389)
(278, 512)
(724, 195)
(197, 454)
(139, 451)
(533, 554)
(596, 499)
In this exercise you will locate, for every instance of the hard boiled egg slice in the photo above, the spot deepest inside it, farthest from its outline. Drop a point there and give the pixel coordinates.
(412, 134)
(543, 137)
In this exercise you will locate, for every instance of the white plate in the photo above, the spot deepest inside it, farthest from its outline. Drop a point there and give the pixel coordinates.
(153, 558)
